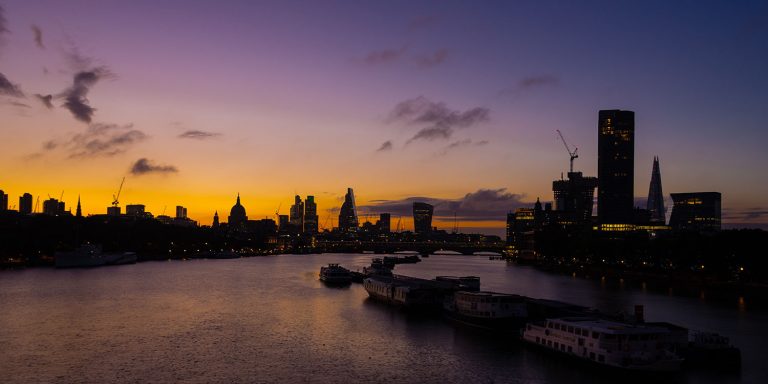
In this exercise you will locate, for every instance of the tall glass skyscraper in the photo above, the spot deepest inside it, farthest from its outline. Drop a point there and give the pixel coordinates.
(348, 213)
(615, 166)
(655, 197)
(422, 217)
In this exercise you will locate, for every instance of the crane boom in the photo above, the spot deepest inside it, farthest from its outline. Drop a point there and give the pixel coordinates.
(574, 154)
(116, 198)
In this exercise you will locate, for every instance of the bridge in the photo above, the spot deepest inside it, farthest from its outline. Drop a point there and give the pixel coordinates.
(423, 248)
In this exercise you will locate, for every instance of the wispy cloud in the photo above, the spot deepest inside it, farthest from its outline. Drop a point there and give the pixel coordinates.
(17, 104)
(38, 36)
(9, 89)
(47, 100)
(198, 135)
(385, 146)
(530, 83)
(432, 60)
(462, 144)
(98, 140)
(3, 22)
(481, 205)
(144, 166)
(438, 121)
(384, 56)
(75, 97)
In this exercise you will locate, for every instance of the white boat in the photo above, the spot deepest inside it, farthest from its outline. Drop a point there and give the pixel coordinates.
(608, 343)
(498, 312)
(335, 274)
(91, 255)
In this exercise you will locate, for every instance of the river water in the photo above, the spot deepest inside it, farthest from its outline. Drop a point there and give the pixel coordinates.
(269, 319)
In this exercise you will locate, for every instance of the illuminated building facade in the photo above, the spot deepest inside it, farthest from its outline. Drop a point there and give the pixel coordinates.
(574, 198)
(696, 211)
(422, 217)
(348, 213)
(615, 166)
(297, 214)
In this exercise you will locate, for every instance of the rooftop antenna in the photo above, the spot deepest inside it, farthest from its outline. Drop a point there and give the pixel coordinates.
(574, 154)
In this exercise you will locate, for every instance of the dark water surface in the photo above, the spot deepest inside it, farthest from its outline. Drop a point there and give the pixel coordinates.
(269, 319)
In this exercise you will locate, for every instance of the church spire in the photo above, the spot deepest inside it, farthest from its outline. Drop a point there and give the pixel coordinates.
(79, 212)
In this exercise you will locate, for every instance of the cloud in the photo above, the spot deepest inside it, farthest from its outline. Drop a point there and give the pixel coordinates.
(198, 135)
(3, 22)
(98, 140)
(47, 100)
(17, 104)
(440, 120)
(462, 144)
(386, 146)
(435, 59)
(530, 83)
(748, 214)
(9, 89)
(384, 56)
(143, 166)
(75, 97)
(38, 33)
(481, 205)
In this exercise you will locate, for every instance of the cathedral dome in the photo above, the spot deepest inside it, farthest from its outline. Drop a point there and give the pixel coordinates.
(237, 214)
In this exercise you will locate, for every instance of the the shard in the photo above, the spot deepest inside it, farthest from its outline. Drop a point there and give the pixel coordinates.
(655, 196)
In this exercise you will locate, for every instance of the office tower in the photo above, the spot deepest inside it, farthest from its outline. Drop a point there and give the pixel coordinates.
(385, 223)
(25, 204)
(237, 216)
(310, 215)
(215, 223)
(139, 210)
(655, 197)
(297, 214)
(282, 222)
(348, 213)
(615, 166)
(422, 217)
(3, 201)
(181, 212)
(696, 211)
(51, 207)
(573, 199)
(79, 211)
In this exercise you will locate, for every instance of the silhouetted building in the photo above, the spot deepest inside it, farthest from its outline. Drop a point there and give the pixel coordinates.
(79, 211)
(348, 213)
(422, 217)
(297, 214)
(519, 223)
(283, 222)
(310, 215)
(696, 211)
(113, 211)
(385, 223)
(215, 223)
(237, 216)
(3, 201)
(181, 212)
(25, 204)
(615, 166)
(137, 210)
(53, 207)
(573, 199)
(655, 203)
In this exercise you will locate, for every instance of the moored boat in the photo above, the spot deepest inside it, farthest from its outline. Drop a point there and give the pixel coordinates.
(91, 255)
(626, 346)
(491, 311)
(335, 274)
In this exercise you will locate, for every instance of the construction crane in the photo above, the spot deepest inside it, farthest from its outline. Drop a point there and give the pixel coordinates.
(37, 203)
(574, 154)
(277, 212)
(455, 228)
(397, 227)
(116, 198)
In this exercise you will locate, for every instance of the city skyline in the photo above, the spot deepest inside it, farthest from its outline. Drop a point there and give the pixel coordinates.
(453, 104)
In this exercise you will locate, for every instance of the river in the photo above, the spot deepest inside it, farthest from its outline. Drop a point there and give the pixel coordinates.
(269, 319)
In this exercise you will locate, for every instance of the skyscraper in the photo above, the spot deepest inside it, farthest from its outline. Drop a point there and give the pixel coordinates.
(615, 166)
(3, 201)
(348, 213)
(79, 211)
(655, 197)
(297, 214)
(384, 223)
(310, 215)
(215, 219)
(422, 217)
(181, 212)
(25, 204)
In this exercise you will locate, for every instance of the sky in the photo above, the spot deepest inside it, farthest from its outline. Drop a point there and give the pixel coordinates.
(456, 103)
